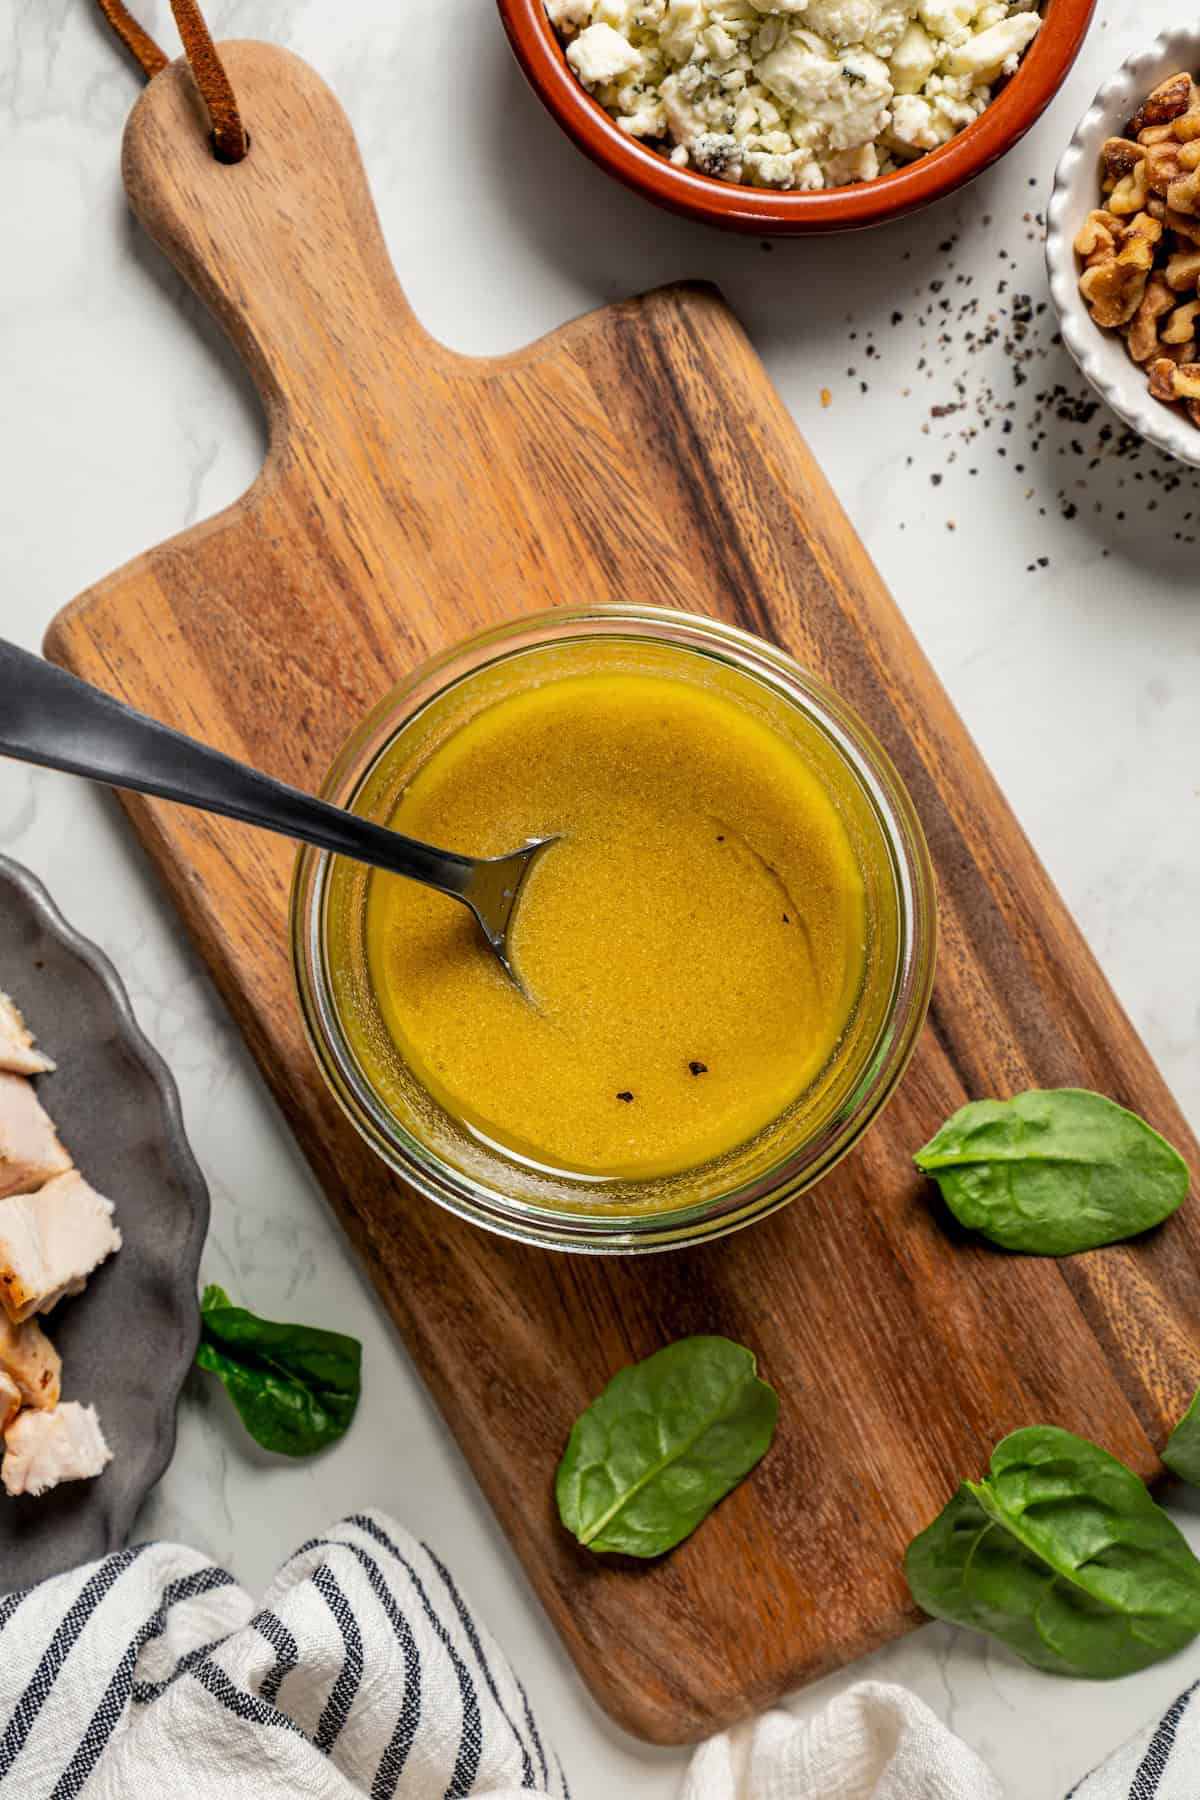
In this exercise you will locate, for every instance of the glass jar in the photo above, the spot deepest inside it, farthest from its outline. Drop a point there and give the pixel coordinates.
(441, 1156)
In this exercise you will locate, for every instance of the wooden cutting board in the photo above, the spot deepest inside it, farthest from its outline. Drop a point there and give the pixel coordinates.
(411, 495)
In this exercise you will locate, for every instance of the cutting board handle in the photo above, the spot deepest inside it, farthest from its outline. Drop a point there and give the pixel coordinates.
(285, 246)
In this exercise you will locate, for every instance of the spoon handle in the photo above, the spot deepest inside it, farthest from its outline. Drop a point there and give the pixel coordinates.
(56, 720)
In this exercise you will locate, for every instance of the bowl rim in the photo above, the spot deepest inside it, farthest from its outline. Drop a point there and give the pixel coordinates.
(1010, 115)
(598, 1233)
(1114, 103)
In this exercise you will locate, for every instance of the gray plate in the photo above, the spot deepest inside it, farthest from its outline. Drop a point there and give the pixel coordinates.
(128, 1341)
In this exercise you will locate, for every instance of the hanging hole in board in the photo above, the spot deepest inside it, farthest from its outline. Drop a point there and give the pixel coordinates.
(220, 155)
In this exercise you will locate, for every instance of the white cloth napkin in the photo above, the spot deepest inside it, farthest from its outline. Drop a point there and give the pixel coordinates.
(874, 1742)
(152, 1676)
(877, 1742)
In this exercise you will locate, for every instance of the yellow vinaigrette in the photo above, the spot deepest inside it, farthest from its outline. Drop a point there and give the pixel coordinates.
(692, 948)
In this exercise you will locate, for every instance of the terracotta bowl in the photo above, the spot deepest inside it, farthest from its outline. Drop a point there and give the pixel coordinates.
(767, 212)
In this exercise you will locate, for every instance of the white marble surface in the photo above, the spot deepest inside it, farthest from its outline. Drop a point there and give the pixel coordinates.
(125, 419)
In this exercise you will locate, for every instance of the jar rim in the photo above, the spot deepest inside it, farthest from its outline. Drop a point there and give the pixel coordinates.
(596, 1232)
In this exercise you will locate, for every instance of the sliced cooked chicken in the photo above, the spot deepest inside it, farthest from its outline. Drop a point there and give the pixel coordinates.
(30, 1361)
(10, 1400)
(45, 1448)
(50, 1242)
(30, 1152)
(17, 1053)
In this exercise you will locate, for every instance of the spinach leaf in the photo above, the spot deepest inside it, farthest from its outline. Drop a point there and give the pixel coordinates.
(1182, 1454)
(665, 1441)
(1061, 1554)
(1054, 1171)
(296, 1387)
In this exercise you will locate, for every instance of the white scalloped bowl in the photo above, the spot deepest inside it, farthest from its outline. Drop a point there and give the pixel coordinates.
(1101, 355)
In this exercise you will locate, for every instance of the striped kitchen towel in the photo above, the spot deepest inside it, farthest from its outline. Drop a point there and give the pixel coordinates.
(151, 1675)
(1160, 1763)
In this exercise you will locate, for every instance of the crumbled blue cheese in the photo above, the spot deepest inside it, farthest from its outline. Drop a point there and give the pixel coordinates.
(843, 100)
(994, 52)
(794, 93)
(600, 55)
(913, 60)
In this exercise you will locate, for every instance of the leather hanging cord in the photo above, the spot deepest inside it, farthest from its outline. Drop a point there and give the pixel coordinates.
(229, 134)
(139, 43)
(230, 141)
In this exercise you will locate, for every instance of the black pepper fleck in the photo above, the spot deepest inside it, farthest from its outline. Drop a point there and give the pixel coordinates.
(989, 347)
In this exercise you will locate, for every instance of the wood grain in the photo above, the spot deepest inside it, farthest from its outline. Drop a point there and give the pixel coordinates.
(410, 495)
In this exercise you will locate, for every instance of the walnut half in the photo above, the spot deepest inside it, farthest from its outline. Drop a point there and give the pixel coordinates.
(1142, 333)
(1174, 381)
(1116, 282)
(1169, 99)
